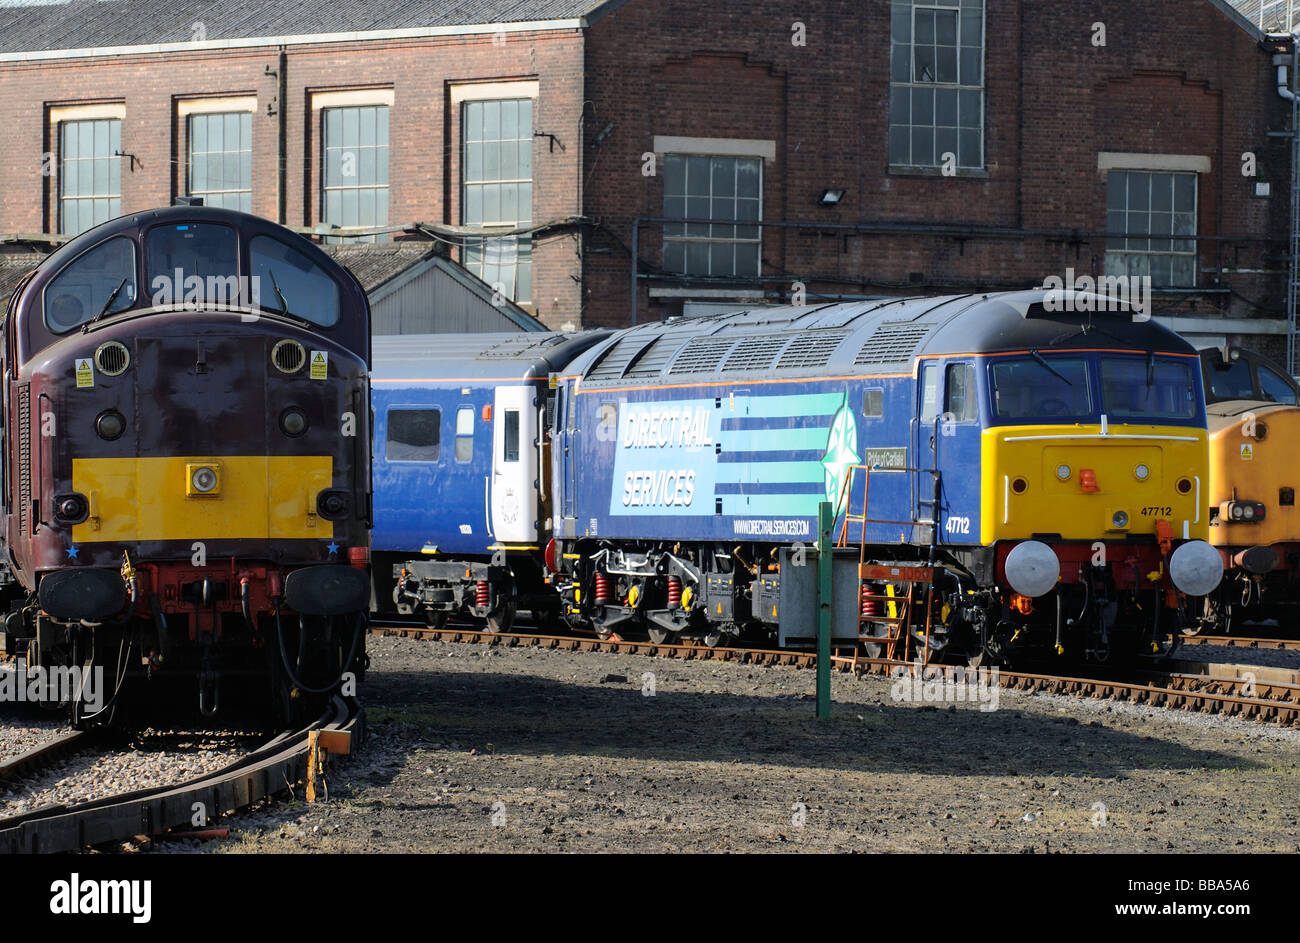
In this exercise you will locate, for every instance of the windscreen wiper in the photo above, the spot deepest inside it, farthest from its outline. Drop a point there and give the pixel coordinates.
(284, 305)
(107, 304)
(1039, 359)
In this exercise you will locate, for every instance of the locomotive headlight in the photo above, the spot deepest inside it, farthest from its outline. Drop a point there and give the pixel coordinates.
(1248, 512)
(1063, 472)
(1119, 519)
(1142, 473)
(110, 424)
(293, 422)
(202, 480)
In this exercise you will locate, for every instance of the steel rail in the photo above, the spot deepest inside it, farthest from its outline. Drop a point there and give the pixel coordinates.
(273, 768)
(1233, 641)
(43, 754)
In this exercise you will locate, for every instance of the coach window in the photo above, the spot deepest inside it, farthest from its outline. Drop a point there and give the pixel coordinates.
(99, 281)
(511, 435)
(465, 434)
(414, 435)
(873, 403)
(959, 398)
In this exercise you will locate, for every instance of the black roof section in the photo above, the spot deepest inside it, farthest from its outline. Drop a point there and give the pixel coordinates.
(42, 25)
(435, 358)
(860, 338)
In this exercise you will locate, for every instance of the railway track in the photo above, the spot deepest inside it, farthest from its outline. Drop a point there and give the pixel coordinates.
(42, 755)
(273, 768)
(1262, 694)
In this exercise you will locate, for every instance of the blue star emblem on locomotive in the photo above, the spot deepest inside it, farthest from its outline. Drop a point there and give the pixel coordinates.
(841, 452)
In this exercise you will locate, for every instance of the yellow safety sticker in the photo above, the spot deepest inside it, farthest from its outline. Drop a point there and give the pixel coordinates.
(1247, 450)
(320, 360)
(85, 372)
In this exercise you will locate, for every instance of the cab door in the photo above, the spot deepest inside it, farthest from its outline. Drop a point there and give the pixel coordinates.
(514, 465)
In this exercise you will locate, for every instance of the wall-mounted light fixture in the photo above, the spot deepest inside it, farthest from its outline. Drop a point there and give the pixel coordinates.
(830, 197)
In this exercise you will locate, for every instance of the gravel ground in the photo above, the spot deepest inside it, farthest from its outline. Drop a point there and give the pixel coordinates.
(477, 749)
(153, 759)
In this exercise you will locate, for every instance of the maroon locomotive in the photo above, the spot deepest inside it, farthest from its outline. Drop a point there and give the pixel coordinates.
(186, 464)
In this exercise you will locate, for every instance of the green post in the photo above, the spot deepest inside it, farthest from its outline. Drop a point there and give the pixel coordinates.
(825, 523)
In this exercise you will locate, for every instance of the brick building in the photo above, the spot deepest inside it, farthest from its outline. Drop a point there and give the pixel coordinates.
(884, 147)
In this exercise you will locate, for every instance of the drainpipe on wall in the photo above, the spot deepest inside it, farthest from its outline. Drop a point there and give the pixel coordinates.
(282, 158)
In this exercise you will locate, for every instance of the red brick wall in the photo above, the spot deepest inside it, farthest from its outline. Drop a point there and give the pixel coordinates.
(1173, 78)
(423, 132)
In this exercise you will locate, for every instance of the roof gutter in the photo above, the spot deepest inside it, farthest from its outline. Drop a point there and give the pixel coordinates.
(309, 39)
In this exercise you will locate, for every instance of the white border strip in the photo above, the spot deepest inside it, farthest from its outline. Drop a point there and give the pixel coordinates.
(1039, 438)
(342, 98)
(715, 147)
(214, 106)
(493, 91)
(257, 42)
(59, 113)
(1185, 163)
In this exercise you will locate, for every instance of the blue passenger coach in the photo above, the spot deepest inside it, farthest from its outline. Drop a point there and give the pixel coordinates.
(460, 496)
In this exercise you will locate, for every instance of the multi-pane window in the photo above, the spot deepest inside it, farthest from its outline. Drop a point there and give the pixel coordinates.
(1156, 208)
(936, 84)
(90, 173)
(221, 159)
(497, 191)
(724, 188)
(355, 181)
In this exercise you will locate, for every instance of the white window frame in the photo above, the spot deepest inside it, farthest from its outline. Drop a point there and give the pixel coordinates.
(61, 115)
(1178, 166)
(725, 148)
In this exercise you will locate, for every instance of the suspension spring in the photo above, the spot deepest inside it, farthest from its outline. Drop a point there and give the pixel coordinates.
(674, 592)
(872, 604)
(481, 595)
(602, 587)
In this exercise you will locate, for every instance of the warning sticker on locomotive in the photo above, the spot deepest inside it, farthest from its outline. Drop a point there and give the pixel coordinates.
(85, 373)
(320, 360)
(1247, 450)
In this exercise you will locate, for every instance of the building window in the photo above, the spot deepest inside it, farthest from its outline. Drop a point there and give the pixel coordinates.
(355, 180)
(701, 187)
(221, 159)
(497, 179)
(936, 86)
(90, 175)
(1154, 207)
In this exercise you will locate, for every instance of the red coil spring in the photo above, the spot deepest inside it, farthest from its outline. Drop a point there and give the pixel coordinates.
(674, 592)
(481, 597)
(871, 604)
(602, 587)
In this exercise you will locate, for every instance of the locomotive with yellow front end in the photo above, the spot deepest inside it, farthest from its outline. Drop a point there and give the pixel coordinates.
(1013, 473)
(1254, 423)
(186, 466)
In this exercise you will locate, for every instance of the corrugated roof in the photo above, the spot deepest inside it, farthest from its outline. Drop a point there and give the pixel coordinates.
(375, 264)
(43, 25)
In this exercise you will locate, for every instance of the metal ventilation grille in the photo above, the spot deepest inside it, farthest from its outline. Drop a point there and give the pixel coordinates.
(701, 355)
(754, 353)
(112, 359)
(615, 360)
(650, 362)
(809, 350)
(288, 356)
(892, 342)
(24, 458)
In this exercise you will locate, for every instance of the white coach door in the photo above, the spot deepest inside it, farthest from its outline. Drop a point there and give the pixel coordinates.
(514, 465)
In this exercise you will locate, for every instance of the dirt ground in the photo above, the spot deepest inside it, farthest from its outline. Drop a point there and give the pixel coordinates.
(523, 750)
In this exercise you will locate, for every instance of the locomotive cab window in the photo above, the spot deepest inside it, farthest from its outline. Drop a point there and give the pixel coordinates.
(287, 280)
(873, 403)
(100, 281)
(959, 397)
(510, 433)
(1231, 381)
(1147, 388)
(465, 434)
(930, 392)
(414, 435)
(1274, 388)
(1040, 387)
(192, 264)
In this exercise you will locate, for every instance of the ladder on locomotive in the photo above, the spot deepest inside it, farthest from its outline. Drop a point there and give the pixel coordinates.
(886, 610)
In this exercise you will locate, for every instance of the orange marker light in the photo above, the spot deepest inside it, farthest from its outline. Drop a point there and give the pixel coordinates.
(1088, 481)
(487, 413)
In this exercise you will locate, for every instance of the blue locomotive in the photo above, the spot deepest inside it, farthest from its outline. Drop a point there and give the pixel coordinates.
(1006, 476)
